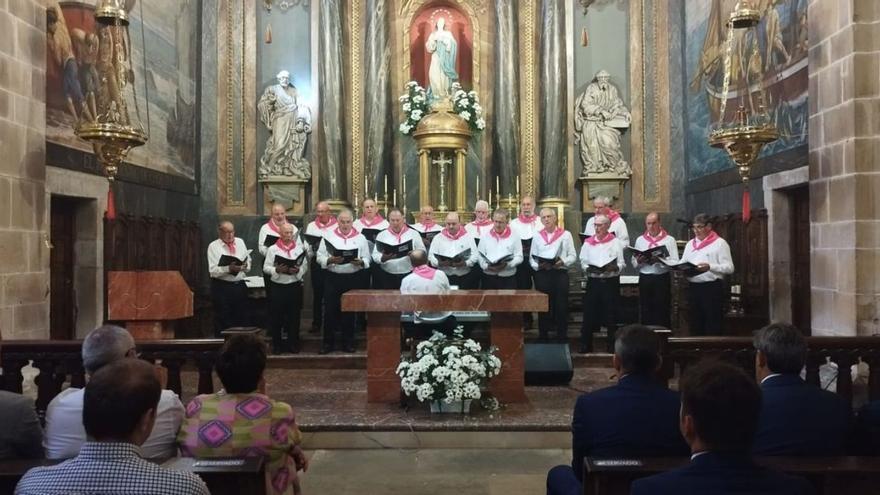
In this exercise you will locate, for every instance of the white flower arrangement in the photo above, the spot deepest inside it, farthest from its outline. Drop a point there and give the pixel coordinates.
(448, 369)
(467, 106)
(414, 106)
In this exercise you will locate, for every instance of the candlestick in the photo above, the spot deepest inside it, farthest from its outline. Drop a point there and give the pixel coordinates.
(517, 186)
(386, 183)
(403, 193)
(395, 197)
(497, 185)
(366, 189)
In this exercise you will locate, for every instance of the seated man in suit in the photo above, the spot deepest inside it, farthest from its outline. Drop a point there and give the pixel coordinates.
(720, 405)
(796, 418)
(638, 417)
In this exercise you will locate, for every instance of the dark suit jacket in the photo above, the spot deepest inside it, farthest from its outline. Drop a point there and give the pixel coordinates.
(20, 434)
(717, 474)
(635, 418)
(798, 419)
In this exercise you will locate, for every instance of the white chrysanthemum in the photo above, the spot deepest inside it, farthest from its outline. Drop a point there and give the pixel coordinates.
(471, 345)
(418, 98)
(472, 93)
(465, 115)
(416, 115)
(411, 84)
(404, 128)
(464, 103)
(404, 98)
(425, 391)
(406, 107)
(480, 123)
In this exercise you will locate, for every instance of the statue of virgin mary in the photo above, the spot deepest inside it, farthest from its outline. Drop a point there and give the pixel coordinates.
(443, 49)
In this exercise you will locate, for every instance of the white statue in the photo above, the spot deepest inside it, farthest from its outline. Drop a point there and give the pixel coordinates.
(443, 49)
(600, 117)
(289, 123)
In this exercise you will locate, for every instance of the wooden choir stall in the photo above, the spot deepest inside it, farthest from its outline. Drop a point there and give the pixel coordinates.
(383, 333)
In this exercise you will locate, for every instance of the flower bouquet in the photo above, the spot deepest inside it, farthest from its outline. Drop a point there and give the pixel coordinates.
(448, 371)
(414, 106)
(466, 105)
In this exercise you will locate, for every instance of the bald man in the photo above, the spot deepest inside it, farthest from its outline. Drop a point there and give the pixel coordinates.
(454, 252)
(602, 205)
(269, 234)
(228, 263)
(525, 226)
(655, 297)
(323, 224)
(426, 226)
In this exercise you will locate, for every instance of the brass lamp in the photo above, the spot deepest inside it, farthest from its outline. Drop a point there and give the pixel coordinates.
(116, 129)
(750, 129)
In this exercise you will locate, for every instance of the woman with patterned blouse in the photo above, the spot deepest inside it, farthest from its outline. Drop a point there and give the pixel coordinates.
(241, 421)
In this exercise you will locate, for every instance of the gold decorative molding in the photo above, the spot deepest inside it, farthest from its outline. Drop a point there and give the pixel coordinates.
(649, 193)
(236, 114)
(356, 41)
(528, 74)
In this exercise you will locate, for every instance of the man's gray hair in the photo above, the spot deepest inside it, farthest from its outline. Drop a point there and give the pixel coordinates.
(784, 347)
(345, 212)
(600, 218)
(104, 345)
(607, 201)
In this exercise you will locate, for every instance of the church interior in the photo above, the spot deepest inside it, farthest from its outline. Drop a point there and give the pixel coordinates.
(154, 154)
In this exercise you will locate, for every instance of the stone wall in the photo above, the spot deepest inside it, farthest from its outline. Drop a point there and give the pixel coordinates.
(844, 179)
(24, 273)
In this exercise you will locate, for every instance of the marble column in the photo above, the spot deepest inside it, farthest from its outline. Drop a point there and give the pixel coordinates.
(378, 125)
(331, 176)
(505, 131)
(552, 101)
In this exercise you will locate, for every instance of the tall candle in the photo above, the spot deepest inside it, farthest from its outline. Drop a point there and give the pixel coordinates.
(395, 197)
(497, 185)
(517, 185)
(478, 188)
(404, 189)
(366, 189)
(386, 184)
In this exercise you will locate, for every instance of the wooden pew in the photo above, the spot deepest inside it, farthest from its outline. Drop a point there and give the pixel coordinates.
(60, 362)
(680, 352)
(231, 477)
(383, 333)
(828, 475)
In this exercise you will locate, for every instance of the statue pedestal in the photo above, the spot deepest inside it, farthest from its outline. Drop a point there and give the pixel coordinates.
(605, 184)
(288, 191)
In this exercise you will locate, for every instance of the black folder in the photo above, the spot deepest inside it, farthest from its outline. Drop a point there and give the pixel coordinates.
(348, 255)
(455, 259)
(601, 269)
(397, 250)
(270, 239)
(370, 234)
(502, 260)
(654, 252)
(290, 263)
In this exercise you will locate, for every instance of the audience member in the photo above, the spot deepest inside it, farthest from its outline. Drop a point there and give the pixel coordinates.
(241, 420)
(119, 409)
(65, 433)
(638, 417)
(797, 419)
(20, 434)
(720, 405)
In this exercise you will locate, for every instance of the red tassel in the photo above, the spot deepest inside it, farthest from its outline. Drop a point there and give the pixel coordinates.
(747, 204)
(110, 214)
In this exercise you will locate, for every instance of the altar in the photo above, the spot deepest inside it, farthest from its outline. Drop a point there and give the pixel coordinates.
(383, 333)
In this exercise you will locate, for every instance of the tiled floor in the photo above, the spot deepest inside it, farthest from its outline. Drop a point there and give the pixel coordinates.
(431, 471)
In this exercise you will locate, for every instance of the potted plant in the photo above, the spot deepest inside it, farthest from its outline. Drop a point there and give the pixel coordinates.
(448, 372)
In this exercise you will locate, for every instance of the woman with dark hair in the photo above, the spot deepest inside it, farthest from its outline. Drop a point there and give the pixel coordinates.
(240, 420)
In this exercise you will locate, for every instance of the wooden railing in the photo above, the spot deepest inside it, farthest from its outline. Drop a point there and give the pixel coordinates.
(60, 362)
(680, 352)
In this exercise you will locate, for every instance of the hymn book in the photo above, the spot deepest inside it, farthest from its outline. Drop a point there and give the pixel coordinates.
(270, 239)
(396, 250)
(227, 259)
(290, 263)
(313, 241)
(602, 269)
(687, 267)
(427, 236)
(347, 255)
(654, 252)
(499, 261)
(370, 234)
(455, 259)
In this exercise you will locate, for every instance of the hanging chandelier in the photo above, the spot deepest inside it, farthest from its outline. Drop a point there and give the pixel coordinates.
(117, 127)
(750, 129)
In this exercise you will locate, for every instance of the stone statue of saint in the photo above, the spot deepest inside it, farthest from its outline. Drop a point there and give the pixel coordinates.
(289, 123)
(600, 118)
(443, 49)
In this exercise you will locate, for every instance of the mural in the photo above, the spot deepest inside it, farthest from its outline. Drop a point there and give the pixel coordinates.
(781, 56)
(172, 39)
(427, 46)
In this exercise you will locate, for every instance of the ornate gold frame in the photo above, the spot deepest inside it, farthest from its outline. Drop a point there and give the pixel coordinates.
(529, 146)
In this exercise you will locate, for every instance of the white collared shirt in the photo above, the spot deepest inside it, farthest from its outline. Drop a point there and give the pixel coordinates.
(478, 231)
(216, 250)
(716, 254)
(494, 248)
(286, 278)
(642, 243)
(526, 231)
(358, 241)
(445, 246)
(617, 227)
(65, 433)
(417, 284)
(397, 266)
(563, 247)
(601, 255)
(360, 226)
(435, 227)
(265, 231)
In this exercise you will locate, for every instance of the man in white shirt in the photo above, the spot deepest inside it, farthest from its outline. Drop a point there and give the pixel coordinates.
(426, 280)
(369, 225)
(426, 226)
(711, 254)
(482, 223)
(655, 293)
(500, 254)
(65, 433)
(394, 266)
(601, 259)
(552, 252)
(272, 228)
(228, 263)
(603, 206)
(344, 273)
(525, 226)
(286, 263)
(452, 241)
(316, 229)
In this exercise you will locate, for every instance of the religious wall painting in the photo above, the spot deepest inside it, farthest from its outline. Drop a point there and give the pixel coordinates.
(171, 34)
(441, 41)
(779, 55)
